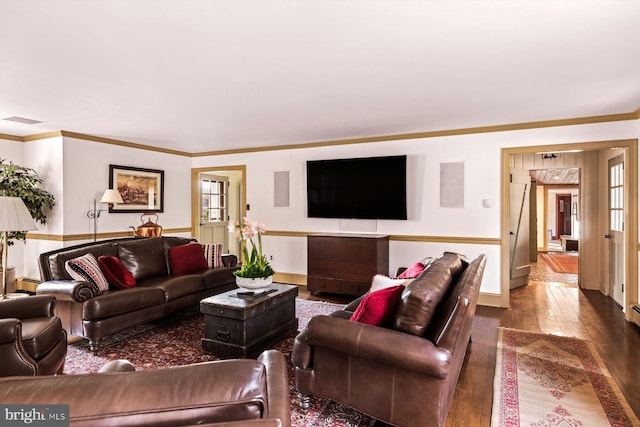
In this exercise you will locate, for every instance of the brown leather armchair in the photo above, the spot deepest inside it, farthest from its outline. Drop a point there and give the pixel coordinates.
(223, 393)
(32, 341)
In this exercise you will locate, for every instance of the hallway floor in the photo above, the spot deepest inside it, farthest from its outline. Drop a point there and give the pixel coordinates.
(541, 272)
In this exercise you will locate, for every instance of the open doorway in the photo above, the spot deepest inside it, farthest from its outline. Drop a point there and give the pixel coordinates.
(591, 210)
(218, 196)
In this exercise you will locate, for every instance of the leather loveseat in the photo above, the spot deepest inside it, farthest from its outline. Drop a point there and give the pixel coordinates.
(404, 374)
(240, 392)
(88, 312)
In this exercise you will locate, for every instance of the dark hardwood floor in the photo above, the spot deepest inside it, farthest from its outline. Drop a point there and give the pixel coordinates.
(545, 307)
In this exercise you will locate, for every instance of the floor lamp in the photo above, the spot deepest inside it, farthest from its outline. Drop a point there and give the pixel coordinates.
(110, 196)
(14, 217)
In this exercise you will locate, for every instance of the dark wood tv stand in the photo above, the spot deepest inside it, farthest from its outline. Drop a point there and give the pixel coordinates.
(345, 263)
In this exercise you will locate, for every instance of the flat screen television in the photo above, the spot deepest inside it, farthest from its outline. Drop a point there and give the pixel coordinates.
(359, 188)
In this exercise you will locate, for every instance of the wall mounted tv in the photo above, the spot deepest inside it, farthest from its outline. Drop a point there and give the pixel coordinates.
(360, 188)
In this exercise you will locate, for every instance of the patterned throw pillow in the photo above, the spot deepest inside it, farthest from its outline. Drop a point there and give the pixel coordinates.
(86, 268)
(213, 254)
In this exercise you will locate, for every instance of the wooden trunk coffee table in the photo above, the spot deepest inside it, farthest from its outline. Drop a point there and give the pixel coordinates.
(242, 326)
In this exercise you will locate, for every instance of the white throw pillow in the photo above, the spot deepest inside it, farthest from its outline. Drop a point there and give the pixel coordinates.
(380, 281)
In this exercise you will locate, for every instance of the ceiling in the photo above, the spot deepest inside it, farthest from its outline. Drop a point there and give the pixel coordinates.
(203, 75)
(556, 176)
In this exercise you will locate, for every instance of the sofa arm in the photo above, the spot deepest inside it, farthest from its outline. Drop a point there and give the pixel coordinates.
(15, 360)
(229, 260)
(28, 307)
(386, 346)
(67, 290)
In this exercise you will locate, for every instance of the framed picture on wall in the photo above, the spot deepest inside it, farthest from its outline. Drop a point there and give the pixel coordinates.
(141, 189)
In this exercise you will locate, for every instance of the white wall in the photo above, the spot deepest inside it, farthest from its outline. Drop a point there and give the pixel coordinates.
(87, 179)
(77, 171)
(481, 154)
(81, 168)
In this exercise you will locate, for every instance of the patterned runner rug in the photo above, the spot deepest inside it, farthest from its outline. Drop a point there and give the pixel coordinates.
(548, 380)
(175, 340)
(561, 263)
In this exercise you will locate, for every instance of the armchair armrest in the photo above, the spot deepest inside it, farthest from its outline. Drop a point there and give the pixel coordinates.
(28, 307)
(9, 331)
(386, 346)
(277, 386)
(67, 290)
(15, 360)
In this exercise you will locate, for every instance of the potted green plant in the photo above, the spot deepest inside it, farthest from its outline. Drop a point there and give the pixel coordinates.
(255, 272)
(23, 182)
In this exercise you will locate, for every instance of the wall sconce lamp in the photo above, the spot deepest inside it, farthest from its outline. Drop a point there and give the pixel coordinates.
(110, 196)
(14, 216)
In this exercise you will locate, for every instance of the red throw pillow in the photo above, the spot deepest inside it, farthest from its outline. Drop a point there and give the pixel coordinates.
(377, 308)
(414, 271)
(115, 272)
(187, 259)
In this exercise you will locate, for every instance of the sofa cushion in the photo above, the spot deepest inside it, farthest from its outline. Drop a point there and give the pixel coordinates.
(179, 286)
(86, 268)
(213, 254)
(113, 303)
(419, 301)
(187, 259)
(218, 277)
(116, 273)
(143, 257)
(377, 307)
(58, 260)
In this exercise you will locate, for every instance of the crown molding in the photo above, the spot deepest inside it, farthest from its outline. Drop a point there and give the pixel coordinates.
(45, 135)
(383, 138)
(11, 137)
(123, 143)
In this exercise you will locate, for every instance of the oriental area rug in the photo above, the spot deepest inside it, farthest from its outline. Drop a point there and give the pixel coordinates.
(561, 263)
(548, 380)
(176, 340)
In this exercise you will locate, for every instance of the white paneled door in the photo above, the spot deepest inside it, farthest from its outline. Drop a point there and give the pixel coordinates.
(214, 210)
(616, 229)
(519, 208)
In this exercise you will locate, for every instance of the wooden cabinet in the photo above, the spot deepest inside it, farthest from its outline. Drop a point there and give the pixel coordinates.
(345, 263)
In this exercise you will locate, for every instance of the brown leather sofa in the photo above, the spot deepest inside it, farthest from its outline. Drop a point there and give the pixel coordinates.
(240, 392)
(32, 341)
(405, 374)
(86, 312)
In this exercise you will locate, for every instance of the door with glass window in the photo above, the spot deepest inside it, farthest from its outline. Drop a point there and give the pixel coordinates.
(616, 229)
(214, 210)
